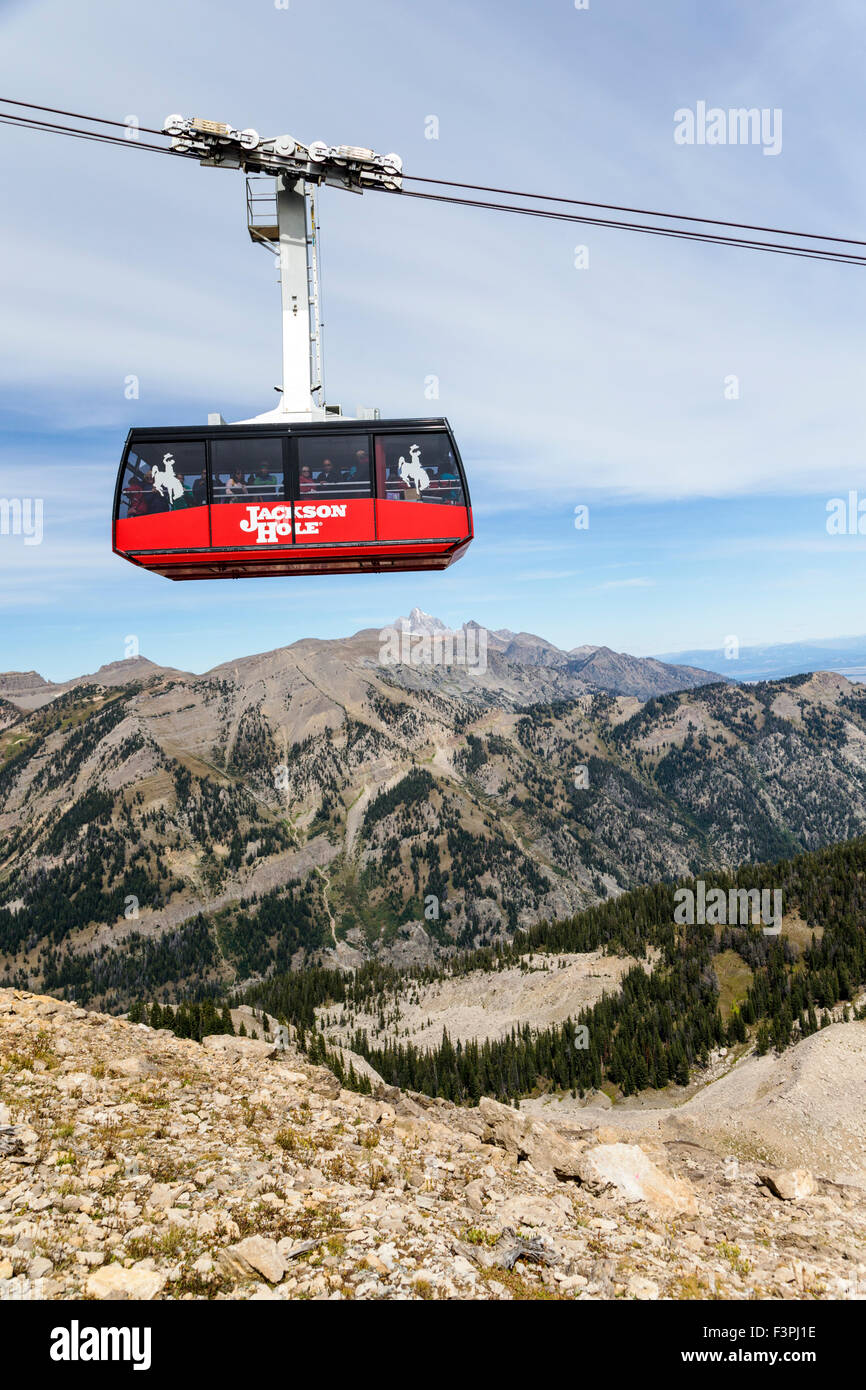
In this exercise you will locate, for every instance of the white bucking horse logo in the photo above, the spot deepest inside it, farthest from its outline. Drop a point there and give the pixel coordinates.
(412, 473)
(166, 482)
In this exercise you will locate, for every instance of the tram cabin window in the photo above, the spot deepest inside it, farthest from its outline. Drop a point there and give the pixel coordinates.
(247, 470)
(163, 475)
(334, 466)
(418, 468)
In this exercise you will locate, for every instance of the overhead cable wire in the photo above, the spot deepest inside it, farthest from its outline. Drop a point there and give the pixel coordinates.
(640, 212)
(507, 192)
(26, 123)
(821, 253)
(77, 115)
(679, 234)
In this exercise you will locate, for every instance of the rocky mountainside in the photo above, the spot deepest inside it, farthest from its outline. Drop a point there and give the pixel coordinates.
(643, 677)
(28, 690)
(316, 803)
(135, 1165)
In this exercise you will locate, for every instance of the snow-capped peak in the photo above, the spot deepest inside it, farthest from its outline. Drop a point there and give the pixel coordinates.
(419, 621)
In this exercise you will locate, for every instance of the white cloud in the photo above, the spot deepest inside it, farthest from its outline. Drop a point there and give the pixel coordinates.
(637, 583)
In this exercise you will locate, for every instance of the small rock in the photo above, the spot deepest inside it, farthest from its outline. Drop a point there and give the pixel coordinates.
(639, 1287)
(114, 1282)
(473, 1192)
(631, 1173)
(92, 1258)
(789, 1184)
(162, 1195)
(254, 1255)
(598, 1100)
(136, 1068)
(526, 1138)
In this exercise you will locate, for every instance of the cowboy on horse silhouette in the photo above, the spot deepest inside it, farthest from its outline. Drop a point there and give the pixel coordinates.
(166, 482)
(412, 474)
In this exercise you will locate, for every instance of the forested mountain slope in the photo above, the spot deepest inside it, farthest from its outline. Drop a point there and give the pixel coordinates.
(314, 804)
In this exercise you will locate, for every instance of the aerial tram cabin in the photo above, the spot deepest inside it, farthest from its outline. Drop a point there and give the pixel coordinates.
(300, 489)
(334, 497)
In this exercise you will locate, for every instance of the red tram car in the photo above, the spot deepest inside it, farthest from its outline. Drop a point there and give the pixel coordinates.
(337, 496)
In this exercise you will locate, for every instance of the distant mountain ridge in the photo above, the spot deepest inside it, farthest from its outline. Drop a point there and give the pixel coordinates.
(29, 690)
(570, 672)
(776, 660)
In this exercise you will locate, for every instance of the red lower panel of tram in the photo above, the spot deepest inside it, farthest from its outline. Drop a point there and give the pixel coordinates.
(396, 521)
(268, 524)
(240, 540)
(188, 529)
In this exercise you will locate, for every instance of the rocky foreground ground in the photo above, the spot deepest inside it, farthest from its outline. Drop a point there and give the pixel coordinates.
(137, 1165)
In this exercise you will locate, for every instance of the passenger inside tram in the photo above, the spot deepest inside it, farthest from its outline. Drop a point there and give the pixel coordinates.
(154, 500)
(449, 487)
(199, 489)
(185, 498)
(262, 483)
(327, 477)
(333, 467)
(135, 494)
(235, 485)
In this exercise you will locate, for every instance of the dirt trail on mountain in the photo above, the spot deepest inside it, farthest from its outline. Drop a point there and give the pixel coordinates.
(326, 880)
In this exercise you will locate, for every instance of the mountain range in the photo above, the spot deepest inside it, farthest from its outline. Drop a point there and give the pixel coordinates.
(161, 830)
(847, 655)
(581, 668)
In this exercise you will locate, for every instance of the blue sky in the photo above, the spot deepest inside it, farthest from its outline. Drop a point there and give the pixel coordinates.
(603, 386)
